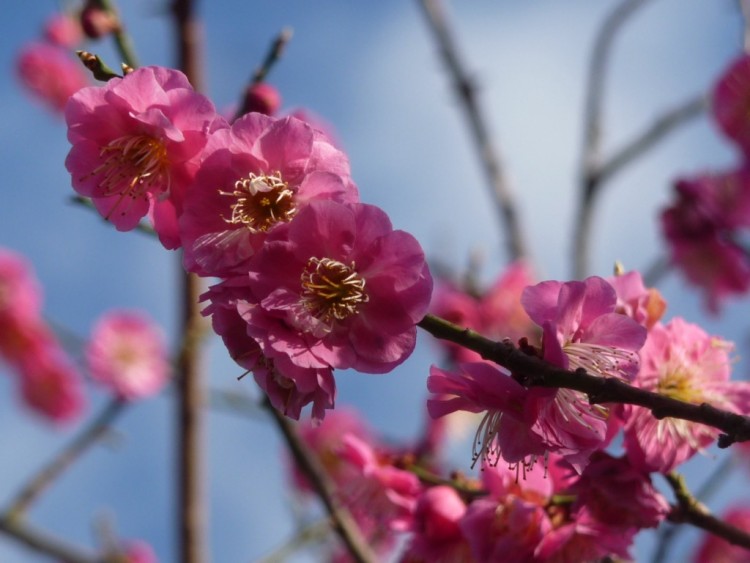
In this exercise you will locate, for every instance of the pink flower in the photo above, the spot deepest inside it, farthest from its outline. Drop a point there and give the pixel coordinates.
(496, 314)
(581, 328)
(288, 386)
(254, 178)
(714, 549)
(50, 74)
(680, 361)
(136, 146)
(437, 537)
(51, 386)
(644, 305)
(127, 353)
(261, 98)
(20, 294)
(520, 424)
(63, 30)
(618, 495)
(511, 521)
(703, 229)
(337, 287)
(377, 491)
(731, 98)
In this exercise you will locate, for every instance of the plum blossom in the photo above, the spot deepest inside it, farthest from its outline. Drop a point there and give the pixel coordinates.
(730, 100)
(520, 425)
(127, 353)
(681, 361)
(63, 29)
(644, 305)
(581, 328)
(288, 386)
(338, 287)
(50, 74)
(496, 314)
(20, 294)
(437, 536)
(51, 385)
(704, 227)
(255, 177)
(136, 144)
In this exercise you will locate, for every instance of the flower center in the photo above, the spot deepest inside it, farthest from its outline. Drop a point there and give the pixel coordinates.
(678, 384)
(332, 291)
(132, 166)
(261, 202)
(604, 361)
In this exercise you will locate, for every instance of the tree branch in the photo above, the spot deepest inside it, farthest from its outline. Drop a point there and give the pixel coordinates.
(44, 543)
(486, 150)
(342, 521)
(592, 130)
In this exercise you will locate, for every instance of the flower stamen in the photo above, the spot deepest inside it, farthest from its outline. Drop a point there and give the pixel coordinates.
(261, 201)
(332, 291)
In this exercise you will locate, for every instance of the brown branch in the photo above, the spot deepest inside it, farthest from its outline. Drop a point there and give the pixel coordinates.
(533, 371)
(42, 542)
(592, 130)
(40, 482)
(342, 521)
(690, 510)
(660, 128)
(191, 509)
(487, 151)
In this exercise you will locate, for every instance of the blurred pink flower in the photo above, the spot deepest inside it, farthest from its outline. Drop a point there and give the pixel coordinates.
(436, 534)
(644, 305)
(20, 294)
(338, 287)
(51, 385)
(50, 74)
(730, 100)
(261, 98)
(703, 228)
(681, 361)
(136, 145)
(254, 177)
(63, 29)
(127, 353)
(496, 314)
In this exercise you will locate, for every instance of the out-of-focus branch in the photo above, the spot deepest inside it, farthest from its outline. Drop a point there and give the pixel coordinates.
(745, 7)
(191, 510)
(342, 521)
(486, 149)
(690, 510)
(592, 130)
(670, 533)
(660, 128)
(123, 42)
(42, 542)
(97, 428)
(532, 371)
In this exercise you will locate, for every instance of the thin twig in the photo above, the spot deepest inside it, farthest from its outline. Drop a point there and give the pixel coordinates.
(42, 542)
(745, 8)
(690, 510)
(487, 151)
(123, 42)
(343, 523)
(272, 57)
(592, 130)
(533, 371)
(97, 428)
(660, 128)
(669, 533)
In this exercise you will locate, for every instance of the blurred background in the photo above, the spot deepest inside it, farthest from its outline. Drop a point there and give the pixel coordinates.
(375, 75)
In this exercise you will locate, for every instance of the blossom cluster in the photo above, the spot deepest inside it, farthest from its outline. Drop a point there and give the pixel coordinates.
(310, 278)
(49, 381)
(706, 224)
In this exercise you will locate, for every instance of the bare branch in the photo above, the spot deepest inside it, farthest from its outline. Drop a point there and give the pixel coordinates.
(487, 151)
(44, 543)
(342, 521)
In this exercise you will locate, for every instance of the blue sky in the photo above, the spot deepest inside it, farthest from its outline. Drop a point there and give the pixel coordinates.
(374, 74)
